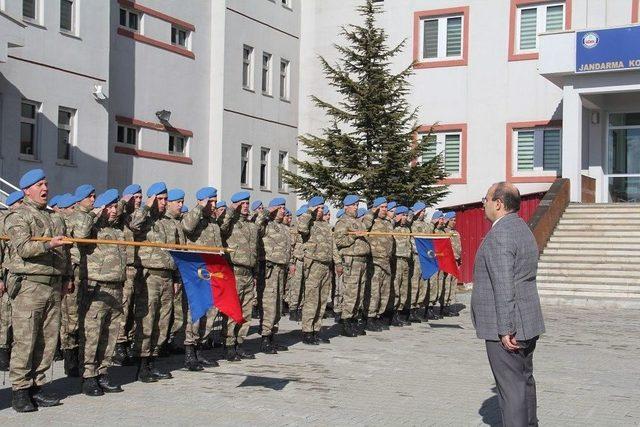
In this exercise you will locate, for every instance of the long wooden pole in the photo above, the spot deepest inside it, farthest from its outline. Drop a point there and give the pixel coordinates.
(384, 233)
(71, 240)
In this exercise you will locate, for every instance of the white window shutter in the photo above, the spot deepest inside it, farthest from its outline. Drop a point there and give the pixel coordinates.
(454, 36)
(526, 145)
(552, 149)
(430, 39)
(528, 28)
(452, 154)
(555, 18)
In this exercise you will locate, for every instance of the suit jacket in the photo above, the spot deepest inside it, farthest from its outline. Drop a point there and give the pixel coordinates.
(505, 296)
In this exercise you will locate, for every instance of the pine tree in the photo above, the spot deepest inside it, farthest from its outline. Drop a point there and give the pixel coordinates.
(370, 146)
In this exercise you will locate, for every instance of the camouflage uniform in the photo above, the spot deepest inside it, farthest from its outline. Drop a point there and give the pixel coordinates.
(354, 251)
(35, 285)
(180, 305)
(419, 287)
(379, 288)
(154, 302)
(320, 255)
(5, 302)
(436, 282)
(295, 281)
(102, 298)
(451, 282)
(402, 284)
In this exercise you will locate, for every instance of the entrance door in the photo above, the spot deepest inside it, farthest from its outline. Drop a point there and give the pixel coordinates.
(623, 157)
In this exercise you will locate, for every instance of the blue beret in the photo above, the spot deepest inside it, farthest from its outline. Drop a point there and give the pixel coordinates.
(401, 210)
(31, 177)
(351, 199)
(184, 209)
(391, 205)
(53, 201)
(84, 191)
(287, 212)
(340, 213)
(361, 212)
(175, 194)
(240, 196)
(156, 188)
(436, 215)
(315, 201)
(106, 198)
(132, 189)
(206, 193)
(450, 215)
(302, 209)
(278, 201)
(255, 205)
(325, 210)
(221, 204)
(66, 200)
(418, 206)
(14, 197)
(378, 201)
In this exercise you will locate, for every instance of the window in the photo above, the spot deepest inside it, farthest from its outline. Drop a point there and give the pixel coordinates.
(179, 37)
(127, 135)
(129, 19)
(28, 128)
(177, 145)
(67, 15)
(442, 38)
(266, 73)
(247, 67)
(283, 164)
(446, 145)
(284, 79)
(533, 20)
(538, 149)
(30, 10)
(65, 133)
(264, 167)
(245, 165)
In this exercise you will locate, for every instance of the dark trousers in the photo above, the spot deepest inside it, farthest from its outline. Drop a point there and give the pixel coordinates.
(513, 372)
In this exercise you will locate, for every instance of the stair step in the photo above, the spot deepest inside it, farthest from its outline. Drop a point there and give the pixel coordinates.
(612, 222)
(589, 280)
(621, 238)
(588, 259)
(601, 205)
(607, 211)
(578, 251)
(596, 227)
(588, 244)
(585, 271)
(598, 303)
(588, 234)
(589, 293)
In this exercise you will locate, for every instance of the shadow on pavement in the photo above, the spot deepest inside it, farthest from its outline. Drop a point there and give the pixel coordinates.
(490, 410)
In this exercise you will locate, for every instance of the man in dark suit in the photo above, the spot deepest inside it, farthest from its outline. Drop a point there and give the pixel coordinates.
(505, 307)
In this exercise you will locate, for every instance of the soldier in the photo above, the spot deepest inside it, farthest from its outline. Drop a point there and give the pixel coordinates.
(242, 238)
(435, 282)
(173, 216)
(320, 257)
(296, 269)
(221, 208)
(379, 287)
(201, 228)
(277, 249)
(130, 202)
(257, 210)
(354, 251)
(404, 261)
(39, 272)
(418, 285)
(287, 217)
(158, 283)
(13, 201)
(285, 292)
(338, 291)
(448, 293)
(102, 297)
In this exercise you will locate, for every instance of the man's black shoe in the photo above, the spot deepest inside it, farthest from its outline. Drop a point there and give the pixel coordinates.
(321, 338)
(307, 338)
(347, 328)
(157, 372)
(90, 387)
(104, 381)
(244, 354)
(204, 360)
(144, 373)
(190, 360)
(278, 347)
(232, 355)
(120, 355)
(266, 347)
(413, 316)
(40, 398)
(395, 320)
(21, 401)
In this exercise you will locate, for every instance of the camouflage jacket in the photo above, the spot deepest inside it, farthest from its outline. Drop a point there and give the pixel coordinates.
(349, 244)
(403, 244)
(297, 246)
(5, 254)
(420, 226)
(201, 230)
(318, 240)
(29, 257)
(456, 243)
(124, 219)
(79, 224)
(241, 236)
(276, 242)
(381, 246)
(106, 263)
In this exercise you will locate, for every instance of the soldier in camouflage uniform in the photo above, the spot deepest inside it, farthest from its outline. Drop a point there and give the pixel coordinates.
(404, 261)
(338, 291)
(382, 248)
(354, 251)
(158, 283)
(242, 238)
(419, 287)
(102, 298)
(449, 288)
(296, 268)
(13, 201)
(435, 282)
(321, 255)
(39, 273)
(277, 249)
(257, 211)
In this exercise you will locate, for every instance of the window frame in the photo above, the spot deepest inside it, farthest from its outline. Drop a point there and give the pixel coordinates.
(418, 40)
(444, 129)
(441, 148)
(541, 21)
(248, 63)
(74, 25)
(35, 122)
(285, 83)
(71, 128)
(127, 26)
(126, 129)
(185, 145)
(265, 166)
(187, 38)
(266, 79)
(247, 159)
(36, 11)
(283, 164)
(538, 174)
(441, 47)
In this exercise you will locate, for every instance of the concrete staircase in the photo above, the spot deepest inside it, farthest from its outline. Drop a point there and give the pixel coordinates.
(593, 257)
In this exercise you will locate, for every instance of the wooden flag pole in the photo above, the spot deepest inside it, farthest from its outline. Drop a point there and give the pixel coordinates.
(384, 233)
(71, 240)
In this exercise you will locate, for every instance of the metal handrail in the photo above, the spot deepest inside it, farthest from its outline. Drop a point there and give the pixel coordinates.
(8, 184)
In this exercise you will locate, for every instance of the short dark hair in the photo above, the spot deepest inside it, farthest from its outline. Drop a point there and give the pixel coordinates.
(508, 194)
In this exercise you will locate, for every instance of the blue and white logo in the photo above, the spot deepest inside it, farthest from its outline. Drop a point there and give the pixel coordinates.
(590, 40)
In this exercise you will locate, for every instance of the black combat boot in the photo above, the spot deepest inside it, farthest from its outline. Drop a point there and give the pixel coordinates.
(278, 347)
(307, 338)
(372, 326)
(204, 360)
(71, 368)
(396, 320)
(144, 372)
(21, 401)
(157, 372)
(190, 360)
(244, 354)
(413, 316)
(120, 355)
(359, 325)
(104, 381)
(42, 399)
(4, 359)
(321, 338)
(90, 387)
(232, 355)
(266, 347)
(347, 328)
(383, 321)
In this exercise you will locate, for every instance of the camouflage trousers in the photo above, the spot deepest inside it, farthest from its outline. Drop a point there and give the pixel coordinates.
(449, 289)
(35, 318)
(418, 286)
(231, 331)
(338, 294)
(102, 318)
(435, 287)
(378, 288)
(402, 284)
(317, 280)
(153, 307)
(5, 321)
(354, 280)
(199, 331)
(126, 332)
(295, 285)
(274, 280)
(179, 310)
(70, 314)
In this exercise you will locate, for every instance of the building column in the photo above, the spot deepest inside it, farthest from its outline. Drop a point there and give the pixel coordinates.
(572, 140)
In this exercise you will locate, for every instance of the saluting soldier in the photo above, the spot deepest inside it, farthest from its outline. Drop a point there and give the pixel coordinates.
(296, 269)
(449, 289)
(419, 287)
(435, 282)
(338, 290)
(404, 261)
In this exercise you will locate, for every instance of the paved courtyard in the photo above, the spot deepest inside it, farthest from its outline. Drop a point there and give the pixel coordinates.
(586, 367)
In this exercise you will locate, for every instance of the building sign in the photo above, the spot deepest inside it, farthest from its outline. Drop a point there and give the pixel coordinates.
(613, 49)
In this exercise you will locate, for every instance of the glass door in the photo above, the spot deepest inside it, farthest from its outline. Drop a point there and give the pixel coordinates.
(623, 157)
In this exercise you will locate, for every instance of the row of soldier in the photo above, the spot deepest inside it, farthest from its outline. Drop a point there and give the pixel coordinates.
(110, 304)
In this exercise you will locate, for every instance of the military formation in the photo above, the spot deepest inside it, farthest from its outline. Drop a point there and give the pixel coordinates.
(97, 305)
